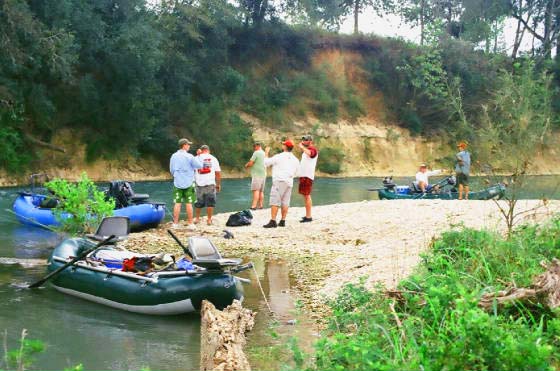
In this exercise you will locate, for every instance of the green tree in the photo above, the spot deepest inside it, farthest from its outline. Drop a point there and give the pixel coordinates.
(34, 61)
(516, 124)
(81, 205)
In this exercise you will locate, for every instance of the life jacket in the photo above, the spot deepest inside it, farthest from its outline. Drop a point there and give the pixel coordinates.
(138, 264)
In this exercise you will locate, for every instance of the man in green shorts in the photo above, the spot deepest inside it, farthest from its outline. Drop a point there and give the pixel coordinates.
(182, 166)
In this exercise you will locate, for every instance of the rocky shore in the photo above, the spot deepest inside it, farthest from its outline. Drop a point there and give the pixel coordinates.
(380, 240)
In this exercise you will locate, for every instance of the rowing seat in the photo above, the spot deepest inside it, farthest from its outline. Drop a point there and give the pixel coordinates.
(205, 254)
(118, 226)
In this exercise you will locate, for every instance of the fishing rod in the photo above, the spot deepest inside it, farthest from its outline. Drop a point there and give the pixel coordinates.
(32, 221)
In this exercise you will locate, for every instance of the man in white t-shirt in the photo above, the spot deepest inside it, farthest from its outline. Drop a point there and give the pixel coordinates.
(208, 182)
(309, 155)
(284, 168)
(422, 180)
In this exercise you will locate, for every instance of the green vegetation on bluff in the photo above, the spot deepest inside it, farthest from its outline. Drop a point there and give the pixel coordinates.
(132, 76)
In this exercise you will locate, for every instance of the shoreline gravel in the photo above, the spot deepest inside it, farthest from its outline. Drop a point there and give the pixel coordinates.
(381, 240)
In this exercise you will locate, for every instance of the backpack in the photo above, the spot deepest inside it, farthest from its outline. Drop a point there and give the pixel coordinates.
(240, 218)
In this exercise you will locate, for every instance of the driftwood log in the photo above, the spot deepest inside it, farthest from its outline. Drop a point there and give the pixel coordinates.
(40, 143)
(545, 290)
(223, 337)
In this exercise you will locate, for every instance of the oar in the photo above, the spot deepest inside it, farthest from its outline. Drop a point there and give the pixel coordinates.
(32, 221)
(71, 262)
(376, 189)
(180, 244)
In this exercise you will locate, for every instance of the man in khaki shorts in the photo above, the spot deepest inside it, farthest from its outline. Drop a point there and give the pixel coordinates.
(284, 168)
(208, 181)
(258, 176)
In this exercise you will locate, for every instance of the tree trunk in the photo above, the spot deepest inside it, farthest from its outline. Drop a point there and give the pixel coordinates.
(422, 10)
(518, 35)
(40, 143)
(356, 15)
(547, 42)
(222, 337)
(496, 36)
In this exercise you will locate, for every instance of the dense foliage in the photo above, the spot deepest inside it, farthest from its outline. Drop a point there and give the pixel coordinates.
(437, 324)
(131, 76)
(81, 206)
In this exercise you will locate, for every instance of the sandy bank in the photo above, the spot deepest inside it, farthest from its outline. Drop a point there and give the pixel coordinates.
(378, 239)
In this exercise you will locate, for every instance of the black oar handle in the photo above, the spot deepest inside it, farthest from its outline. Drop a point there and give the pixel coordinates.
(180, 244)
(79, 257)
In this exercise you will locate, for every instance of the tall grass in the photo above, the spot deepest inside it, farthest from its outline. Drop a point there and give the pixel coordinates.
(435, 323)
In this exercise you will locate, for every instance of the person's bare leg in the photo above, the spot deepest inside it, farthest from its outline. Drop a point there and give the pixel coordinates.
(466, 192)
(460, 192)
(209, 212)
(189, 213)
(284, 212)
(197, 212)
(261, 199)
(176, 213)
(422, 186)
(308, 204)
(273, 212)
(255, 199)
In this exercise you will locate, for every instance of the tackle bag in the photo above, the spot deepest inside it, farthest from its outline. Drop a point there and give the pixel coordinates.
(240, 218)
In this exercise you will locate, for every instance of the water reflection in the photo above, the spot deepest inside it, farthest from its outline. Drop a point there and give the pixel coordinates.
(77, 331)
(33, 242)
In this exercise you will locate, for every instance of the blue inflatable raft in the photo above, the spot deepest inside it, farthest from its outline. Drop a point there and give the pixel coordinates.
(141, 212)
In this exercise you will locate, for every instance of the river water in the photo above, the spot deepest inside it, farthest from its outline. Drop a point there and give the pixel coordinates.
(76, 331)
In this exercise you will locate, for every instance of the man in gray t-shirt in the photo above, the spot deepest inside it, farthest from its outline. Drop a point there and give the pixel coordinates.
(463, 169)
(258, 176)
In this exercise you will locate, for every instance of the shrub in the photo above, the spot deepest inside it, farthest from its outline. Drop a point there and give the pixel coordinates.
(14, 155)
(436, 322)
(354, 105)
(85, 204)
(330, 160)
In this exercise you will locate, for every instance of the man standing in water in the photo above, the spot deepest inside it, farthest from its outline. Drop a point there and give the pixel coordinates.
(258, 176)
(307, 173)
(463, 169)
(208, 182)
(182, 166)
(284, 168)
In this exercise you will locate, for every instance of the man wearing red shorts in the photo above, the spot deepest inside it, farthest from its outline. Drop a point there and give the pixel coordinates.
(307, 173)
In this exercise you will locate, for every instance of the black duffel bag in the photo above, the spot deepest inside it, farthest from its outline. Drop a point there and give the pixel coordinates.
(240, 218)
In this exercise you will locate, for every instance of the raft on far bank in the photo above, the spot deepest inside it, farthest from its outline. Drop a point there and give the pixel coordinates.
(391, 191)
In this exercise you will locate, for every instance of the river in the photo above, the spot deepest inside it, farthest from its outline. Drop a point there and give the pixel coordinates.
(76, 331)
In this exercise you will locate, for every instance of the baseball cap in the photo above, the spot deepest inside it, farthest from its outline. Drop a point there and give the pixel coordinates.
(256, 143)
(423, 164)
(204, 146)
(307, 138)
(183, 141)
(288, 143)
